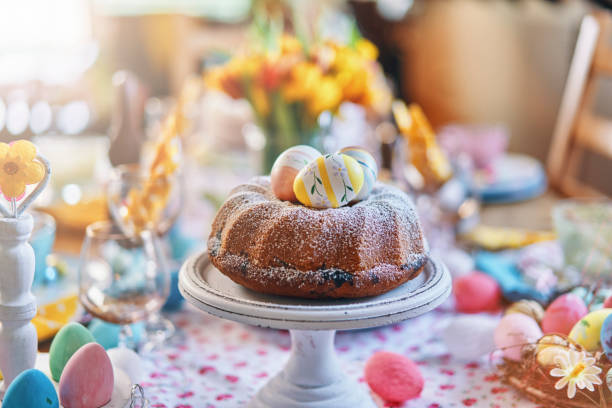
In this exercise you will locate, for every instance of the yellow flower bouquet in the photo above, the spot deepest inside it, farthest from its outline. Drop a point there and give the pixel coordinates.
(291, 85)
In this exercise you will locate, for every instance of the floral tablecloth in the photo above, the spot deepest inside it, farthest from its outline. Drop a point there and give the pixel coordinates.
(214, 363)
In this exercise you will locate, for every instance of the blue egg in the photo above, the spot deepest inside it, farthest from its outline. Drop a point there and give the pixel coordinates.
(606, 336)
(107, 334)
(31, 389)
(175, 299)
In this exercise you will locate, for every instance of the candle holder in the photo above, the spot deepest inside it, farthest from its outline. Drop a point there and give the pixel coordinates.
(21, 166)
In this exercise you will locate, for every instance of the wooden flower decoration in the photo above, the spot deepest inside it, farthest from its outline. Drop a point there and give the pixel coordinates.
(18, 168)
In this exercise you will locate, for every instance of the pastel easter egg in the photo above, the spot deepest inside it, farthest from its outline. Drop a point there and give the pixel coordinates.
(31, 389)
(287, 166)
(513, 332)
(329, 181)
(368, 165)
(128, 361)
(122, 389)
(608, 302)
(394, 377)
(469, 337)
(476, 292)
(107, 334)
(87, 380)
(530, 308)
(549, 347)
(67, 341)
(606, 337)
(587, 332)
(563, 313)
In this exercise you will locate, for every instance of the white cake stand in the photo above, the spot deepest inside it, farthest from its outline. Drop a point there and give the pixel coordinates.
(313, 377)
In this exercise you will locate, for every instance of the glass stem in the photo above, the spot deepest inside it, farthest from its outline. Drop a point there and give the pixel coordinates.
(126, 337)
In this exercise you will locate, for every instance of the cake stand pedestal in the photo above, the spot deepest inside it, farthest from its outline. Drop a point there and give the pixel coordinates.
(313, 377)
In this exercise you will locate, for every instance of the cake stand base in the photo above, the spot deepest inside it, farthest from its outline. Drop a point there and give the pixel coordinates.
(312, 377)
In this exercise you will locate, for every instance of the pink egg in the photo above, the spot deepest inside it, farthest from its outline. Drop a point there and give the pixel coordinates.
(287, 166)
(394, 377)
(476, 292)
(608, 302)
(513, 332)
(87, 380)
(563, 314)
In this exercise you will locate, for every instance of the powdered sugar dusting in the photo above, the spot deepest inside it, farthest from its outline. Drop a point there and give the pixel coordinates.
(264, 239)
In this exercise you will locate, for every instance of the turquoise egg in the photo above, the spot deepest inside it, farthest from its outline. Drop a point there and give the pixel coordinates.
(107, 334)
(31, 389)
(369, 166)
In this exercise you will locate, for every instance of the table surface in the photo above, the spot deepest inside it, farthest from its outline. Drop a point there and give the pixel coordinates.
(215, 363)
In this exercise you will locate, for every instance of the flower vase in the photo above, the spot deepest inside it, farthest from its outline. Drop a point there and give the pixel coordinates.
(18, 340)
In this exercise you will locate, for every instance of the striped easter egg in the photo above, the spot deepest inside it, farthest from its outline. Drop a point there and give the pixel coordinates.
(329, 181)
(287, 166)
(369, 166)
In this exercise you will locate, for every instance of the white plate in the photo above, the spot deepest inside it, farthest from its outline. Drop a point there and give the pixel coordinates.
(208, 289)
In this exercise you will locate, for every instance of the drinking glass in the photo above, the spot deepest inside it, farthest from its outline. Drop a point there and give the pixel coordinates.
(125, 179)
(121, 279)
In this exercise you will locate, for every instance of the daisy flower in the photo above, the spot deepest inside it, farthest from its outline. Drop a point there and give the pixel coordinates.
(576, 369)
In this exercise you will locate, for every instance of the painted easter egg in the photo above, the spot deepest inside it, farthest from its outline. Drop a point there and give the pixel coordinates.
(87, 380)
(530, 308)
(122, 389)
(514, 331)
(368, 165)
(563, 313)
(107, 334)
(608, 302)
(287, 166)
(127, 361)
(329, 181)
(394, 377)
(31, 389)
(469, 337)
(476, 292)
(606, 336)
(588, 329)
(67, 341)
(549, 347)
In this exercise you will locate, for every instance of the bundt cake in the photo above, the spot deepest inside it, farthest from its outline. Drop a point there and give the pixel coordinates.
(282, 248)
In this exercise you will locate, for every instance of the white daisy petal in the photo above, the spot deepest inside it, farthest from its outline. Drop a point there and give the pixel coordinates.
(557, 372)
(561, 383)
(571, 390)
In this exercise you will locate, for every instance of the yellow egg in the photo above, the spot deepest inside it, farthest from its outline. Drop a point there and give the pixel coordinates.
(587, 331)
(329, 181)
(549, 347)
(546, 357)
(287, 166)
(368, 165)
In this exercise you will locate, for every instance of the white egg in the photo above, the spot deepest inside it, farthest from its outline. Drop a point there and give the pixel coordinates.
(127, 361)
(469, 337)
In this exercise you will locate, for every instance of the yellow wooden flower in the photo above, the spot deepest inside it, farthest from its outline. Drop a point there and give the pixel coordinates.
(18, 168)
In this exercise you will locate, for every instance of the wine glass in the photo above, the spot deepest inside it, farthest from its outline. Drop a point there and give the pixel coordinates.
(121, 280)
(166, 205)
